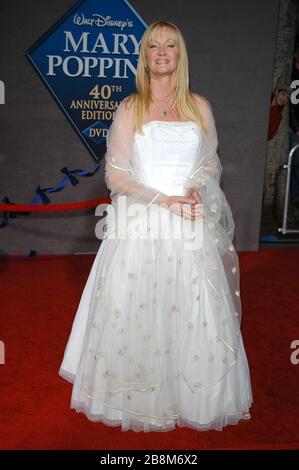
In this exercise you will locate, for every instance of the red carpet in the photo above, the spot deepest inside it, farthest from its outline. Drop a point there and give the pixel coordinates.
(39, 298)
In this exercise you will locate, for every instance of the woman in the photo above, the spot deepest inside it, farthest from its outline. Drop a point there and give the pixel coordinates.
(156, 340)
(278, 100)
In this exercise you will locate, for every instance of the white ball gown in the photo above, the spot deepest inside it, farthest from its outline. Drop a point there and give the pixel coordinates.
(156, 339)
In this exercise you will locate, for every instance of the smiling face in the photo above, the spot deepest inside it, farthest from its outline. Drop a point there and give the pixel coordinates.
(162, 52)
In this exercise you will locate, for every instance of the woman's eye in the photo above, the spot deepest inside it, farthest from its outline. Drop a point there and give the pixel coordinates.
(154, 45)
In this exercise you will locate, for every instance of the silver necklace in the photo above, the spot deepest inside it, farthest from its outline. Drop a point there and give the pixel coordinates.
(164, 112)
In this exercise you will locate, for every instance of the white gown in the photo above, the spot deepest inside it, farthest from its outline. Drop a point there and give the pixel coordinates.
(144, 352)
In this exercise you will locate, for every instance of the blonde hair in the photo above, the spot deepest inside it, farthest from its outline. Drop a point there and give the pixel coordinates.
(186, 102)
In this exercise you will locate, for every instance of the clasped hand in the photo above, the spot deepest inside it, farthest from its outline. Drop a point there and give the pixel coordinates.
(188, 206)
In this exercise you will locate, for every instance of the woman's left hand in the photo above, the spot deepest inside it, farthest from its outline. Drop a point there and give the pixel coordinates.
(193, 193)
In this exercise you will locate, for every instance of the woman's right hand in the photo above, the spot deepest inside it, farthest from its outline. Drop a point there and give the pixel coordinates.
(184, 207)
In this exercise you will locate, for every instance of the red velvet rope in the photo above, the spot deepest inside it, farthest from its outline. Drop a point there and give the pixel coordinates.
(53, 207)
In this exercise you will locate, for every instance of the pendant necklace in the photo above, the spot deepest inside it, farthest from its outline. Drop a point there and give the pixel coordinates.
(164, 112)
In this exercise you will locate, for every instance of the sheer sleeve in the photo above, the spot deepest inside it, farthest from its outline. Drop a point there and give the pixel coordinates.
(206, 175)
(219, 227)
(120, 175)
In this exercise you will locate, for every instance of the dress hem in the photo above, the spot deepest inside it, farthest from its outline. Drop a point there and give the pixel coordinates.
(144, 426)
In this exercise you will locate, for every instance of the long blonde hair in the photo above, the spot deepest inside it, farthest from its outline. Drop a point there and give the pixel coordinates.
(186, 103)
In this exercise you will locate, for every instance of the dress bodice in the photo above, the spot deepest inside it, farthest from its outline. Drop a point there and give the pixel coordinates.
(164, 155)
